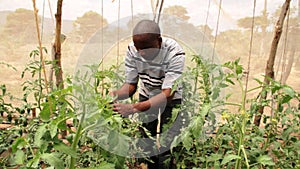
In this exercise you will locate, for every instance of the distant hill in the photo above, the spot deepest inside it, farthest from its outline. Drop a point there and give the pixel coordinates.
(49, 26)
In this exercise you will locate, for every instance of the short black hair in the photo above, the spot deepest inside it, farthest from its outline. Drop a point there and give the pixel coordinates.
(146, 27)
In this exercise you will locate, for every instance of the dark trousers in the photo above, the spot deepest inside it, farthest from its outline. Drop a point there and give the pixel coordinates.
(163, 160)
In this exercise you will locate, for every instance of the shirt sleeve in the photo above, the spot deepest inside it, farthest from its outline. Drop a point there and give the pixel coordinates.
(131, 73)
(174, 69)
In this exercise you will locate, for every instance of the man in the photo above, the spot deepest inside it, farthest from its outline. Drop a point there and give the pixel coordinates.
(156, 63)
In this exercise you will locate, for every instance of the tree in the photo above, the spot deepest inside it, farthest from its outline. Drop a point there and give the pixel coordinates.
(178, 11)
(260, 23)
(88, 24)
(207, 31)
(232, 43)
(18, 27)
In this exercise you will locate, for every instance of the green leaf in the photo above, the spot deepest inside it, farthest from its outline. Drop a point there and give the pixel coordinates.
(216, 93)
(229, 158)
(239, 69)
(286, 99)
(123, 145)
(286, 133)
(65, 149)
(223, 85)
(214, 157)
(176, 141)
(229, 81)
(289, 91)
(197, 125)
(45, 113)
(19, 157)
(258, 81)
(8, 65)
(118, 142)
(205, 110)
(265, 160)
(54, 160)
(187, 142)
(39, 134)
(113, 137)
(275, 87)
(18, 142)
(105, 165)
(3, 88)
(34, 162)
(53, 130)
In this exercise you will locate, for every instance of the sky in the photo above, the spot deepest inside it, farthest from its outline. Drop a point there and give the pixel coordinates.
(197, 9)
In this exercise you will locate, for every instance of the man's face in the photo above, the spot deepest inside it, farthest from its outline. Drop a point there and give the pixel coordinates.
(147, 45)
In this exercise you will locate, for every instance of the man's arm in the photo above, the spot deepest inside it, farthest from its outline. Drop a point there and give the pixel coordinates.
(158, 100)
(126, 91)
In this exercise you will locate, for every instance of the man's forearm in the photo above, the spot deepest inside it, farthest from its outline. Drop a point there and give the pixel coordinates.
(126, 91)
(121, 95)
(157, 101)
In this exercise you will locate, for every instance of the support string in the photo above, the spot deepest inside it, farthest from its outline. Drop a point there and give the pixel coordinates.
(250, 50)
(216, 34)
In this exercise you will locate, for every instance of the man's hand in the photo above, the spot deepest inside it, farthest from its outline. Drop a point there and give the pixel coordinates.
(124, 109)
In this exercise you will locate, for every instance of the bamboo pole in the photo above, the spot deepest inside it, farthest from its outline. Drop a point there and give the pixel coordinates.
(40, 45)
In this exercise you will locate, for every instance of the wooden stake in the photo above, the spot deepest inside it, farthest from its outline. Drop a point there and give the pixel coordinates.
(269, 71)
(57, 62)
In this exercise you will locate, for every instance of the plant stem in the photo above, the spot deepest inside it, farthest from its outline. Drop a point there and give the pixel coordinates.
(233, 104)
(242, 130)
(245, 155)
(237, 164)
(30, 147)
(77, 136)
(255, 88)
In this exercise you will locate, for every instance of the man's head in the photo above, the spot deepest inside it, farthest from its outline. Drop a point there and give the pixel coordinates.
(147, 39)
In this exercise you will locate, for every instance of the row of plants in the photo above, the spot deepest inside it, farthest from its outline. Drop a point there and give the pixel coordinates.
(57, 136)
(232, 140)
(76, 127)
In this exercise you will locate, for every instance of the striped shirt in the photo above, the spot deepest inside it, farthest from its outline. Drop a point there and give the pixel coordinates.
(159, 73)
